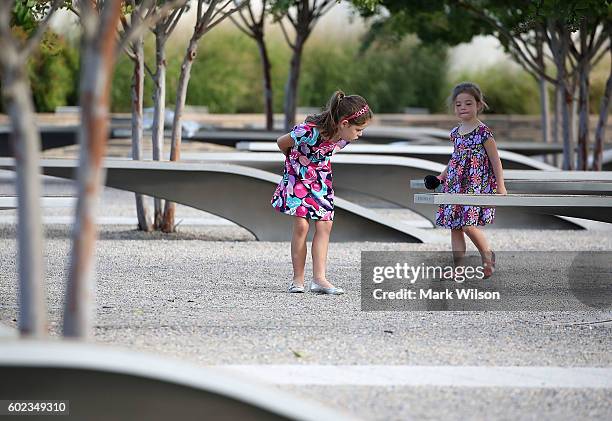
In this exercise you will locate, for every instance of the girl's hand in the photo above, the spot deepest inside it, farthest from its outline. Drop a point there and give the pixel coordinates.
(285, 143)
(441, 177)
(502, 190)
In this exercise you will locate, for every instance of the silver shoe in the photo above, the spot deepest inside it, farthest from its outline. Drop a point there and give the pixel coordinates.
(295, 288)
(318, 289)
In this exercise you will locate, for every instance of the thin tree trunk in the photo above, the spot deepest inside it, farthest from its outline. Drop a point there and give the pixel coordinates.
(583, 119)
(544, 101)
(544, 113)
(26, 146)
(584, 68)
(267, 76)
(137, 131)
(602, 122)
(175, 148)
(97, 64)
(558, 98)
(574, 122)
(159, 111)
(559, 46)
(544, 106)
(566, 104)
(291, 87)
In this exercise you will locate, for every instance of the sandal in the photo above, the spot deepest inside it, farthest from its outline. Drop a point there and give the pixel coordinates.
(489, 266)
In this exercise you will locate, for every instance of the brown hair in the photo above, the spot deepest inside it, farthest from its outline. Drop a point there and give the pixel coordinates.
(339, 107)
(471, 89)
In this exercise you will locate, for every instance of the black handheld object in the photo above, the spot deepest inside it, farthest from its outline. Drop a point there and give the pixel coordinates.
(431, 182)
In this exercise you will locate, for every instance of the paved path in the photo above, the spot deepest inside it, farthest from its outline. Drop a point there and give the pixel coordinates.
(223, 304)
(404, 375)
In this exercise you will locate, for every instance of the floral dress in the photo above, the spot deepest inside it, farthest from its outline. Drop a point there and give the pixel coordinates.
(469, 172)
(306, 188)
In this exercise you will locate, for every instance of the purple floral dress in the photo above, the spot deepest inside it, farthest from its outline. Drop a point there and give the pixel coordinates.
(306, 188)
(470, 172)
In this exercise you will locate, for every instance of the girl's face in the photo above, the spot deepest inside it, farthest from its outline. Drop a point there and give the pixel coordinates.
(466, 107)
(350, 131)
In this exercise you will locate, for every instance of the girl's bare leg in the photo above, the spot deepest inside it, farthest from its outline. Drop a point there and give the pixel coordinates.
(458, 245)
(320, 245)
(299, 249)
(479, 240)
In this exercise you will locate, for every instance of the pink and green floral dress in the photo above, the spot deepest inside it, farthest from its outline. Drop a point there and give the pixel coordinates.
(469, 172)
(306, 188)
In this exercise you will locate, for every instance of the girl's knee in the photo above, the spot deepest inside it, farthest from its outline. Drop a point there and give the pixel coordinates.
(470, 229)
(300, 226)
(323, 227)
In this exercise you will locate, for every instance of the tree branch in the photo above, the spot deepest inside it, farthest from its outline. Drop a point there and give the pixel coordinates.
(226, 14)
(148, 70)
(218, 10)
(241, 28)
(150, 19)
(174, 20)
(291, 20)
(245, 19)
(263, 13)
(292, 45)
(602, 54)
(250, 10)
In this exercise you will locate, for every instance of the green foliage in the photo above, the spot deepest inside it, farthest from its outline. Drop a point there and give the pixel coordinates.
(599, 77)
(389, 77)
(54, 74)
(507, 90)
(227, 75)
(433, 21)
(27, 13)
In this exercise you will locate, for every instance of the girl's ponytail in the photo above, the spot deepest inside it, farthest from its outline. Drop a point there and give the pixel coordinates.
(340, 106)
(334, 104)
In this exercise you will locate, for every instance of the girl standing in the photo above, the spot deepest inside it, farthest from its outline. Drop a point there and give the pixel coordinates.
(474, 168)
(306, 191)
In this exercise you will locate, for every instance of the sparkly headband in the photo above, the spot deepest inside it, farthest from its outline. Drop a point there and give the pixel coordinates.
(359, 113)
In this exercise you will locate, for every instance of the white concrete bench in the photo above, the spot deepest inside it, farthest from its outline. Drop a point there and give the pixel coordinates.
(596, 208)
(384, 178)
(237, 193)
(559, 182)
(522, 148)
(230, 137)
(440, 154)
(102, 382)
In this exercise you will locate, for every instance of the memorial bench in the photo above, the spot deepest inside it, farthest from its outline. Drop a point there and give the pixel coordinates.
(596, 208)
(440, 154)
(237, 193)
(384, 178)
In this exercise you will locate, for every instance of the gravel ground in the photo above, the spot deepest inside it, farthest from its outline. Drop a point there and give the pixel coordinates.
(210, 295)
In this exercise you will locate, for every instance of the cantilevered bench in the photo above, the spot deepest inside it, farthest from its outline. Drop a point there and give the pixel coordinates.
(557, 182)
(440, 154)
(51, 137)
(105, 383)
(229, 137)
(240, 194)
(11, 202)
(522, 148)
(596, 208)
(385, 178)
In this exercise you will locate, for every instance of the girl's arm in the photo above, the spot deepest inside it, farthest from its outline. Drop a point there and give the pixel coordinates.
(491, 149)
(285, 143)
(443, 174)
